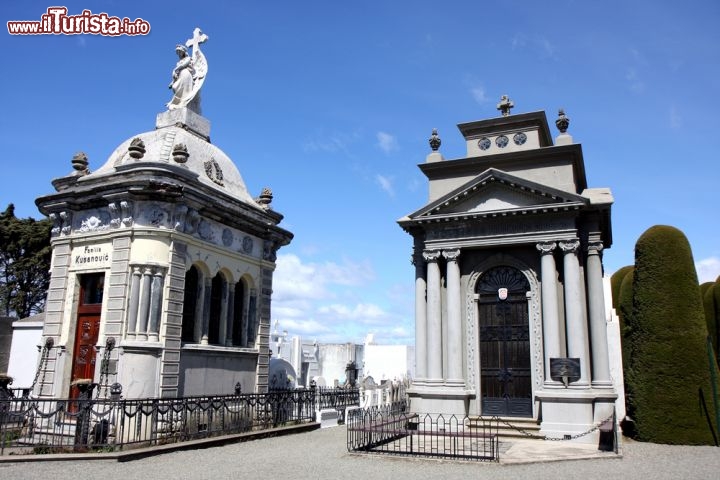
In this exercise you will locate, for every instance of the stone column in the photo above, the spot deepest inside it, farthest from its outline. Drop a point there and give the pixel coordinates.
(144, 302)
(207, 305)
(454, 340)
(199, 309)
(230, 315)
(550, 314)
(434, 317)
(420, 317)
(222, 330)
(576, 326)
(133, 302)
(598, 322)
(155, 304)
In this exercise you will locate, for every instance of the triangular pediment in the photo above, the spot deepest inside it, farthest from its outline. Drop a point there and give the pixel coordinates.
(496, 192)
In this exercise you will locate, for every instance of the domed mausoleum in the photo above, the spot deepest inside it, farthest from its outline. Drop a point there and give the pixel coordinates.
(162, 262)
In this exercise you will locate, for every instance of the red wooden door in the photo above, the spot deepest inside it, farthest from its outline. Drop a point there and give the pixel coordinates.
(88, 328)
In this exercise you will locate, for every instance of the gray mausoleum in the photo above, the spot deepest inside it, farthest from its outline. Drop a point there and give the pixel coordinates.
(510, 306)
(162, 263)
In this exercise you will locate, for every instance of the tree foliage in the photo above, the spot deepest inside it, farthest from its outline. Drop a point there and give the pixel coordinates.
(24, 264)
(668, 363)
(711, 302)
(616, 282)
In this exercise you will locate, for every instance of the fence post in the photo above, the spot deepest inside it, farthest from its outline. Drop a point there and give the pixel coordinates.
(82, 424)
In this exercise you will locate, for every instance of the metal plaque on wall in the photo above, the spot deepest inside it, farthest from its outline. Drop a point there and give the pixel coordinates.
(565, 368)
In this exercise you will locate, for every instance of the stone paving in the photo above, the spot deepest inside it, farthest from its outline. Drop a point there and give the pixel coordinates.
(322, 454)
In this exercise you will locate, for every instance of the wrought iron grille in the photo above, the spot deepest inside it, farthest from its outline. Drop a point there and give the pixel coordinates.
(61, 425)
(393, 430)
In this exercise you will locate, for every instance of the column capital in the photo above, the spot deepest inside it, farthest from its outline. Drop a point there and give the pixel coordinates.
(431, 255)
(451, 254)
(569, 246)
(594, 248)
(546, 247)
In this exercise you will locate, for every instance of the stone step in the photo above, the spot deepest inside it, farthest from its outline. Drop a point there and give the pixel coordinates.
(510, 427)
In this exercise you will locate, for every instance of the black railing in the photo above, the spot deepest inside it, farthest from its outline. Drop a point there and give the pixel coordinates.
(338, 398)
(393, 430)
(62, 425)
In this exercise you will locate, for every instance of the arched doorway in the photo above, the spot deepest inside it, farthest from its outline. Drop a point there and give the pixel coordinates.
(506, 378)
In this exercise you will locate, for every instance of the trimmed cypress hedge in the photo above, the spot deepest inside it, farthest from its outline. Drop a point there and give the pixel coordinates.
(668, 362)
(711, 312)
(624, 312)
(616, 282)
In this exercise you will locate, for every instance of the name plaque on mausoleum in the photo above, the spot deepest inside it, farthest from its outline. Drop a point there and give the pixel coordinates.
(565, 370)
(90, 257)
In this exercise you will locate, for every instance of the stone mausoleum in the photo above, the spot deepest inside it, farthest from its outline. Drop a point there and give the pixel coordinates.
(510, 304)
(162, 262)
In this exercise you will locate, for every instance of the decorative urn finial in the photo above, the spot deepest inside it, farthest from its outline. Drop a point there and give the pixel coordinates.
(265, 198)
(80, 163)
(136, 148)
(180, 153)
(435, 141)
(562, 121)
(505, 105)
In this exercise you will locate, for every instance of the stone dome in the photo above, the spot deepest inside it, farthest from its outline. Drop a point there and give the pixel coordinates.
(164, 146)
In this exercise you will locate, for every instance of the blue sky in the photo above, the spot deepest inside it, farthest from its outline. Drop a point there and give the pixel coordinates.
(331, 103)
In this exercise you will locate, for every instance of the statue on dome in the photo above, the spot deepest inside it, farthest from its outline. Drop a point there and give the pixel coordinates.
(189, 73)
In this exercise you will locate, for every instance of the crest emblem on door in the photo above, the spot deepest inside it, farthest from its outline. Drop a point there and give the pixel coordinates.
(502, 293)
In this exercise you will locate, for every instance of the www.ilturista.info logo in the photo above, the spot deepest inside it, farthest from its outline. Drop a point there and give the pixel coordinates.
(57, 22)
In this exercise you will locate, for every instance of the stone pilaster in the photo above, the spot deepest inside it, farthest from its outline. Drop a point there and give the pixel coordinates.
(170, 359)
(550, 313)
(144, 310)
(156, 298)
(576, 325)
(598, 323)
(434, 317)
(454, 340)
(134, 302)
(420, 317)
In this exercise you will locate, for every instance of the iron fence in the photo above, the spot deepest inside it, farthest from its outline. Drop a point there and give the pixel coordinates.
(63, 425)
(394, 430)
(338, 398)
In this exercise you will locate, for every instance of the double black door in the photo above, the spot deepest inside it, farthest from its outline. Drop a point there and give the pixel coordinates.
(506, 384)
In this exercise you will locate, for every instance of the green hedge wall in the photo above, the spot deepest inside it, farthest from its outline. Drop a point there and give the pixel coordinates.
(616, 282)
(668, 361)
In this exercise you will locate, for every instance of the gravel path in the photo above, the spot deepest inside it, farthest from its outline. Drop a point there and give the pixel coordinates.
(322, 454)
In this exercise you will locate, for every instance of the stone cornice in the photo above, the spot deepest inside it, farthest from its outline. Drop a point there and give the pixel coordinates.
(491, 126)
(555, 155)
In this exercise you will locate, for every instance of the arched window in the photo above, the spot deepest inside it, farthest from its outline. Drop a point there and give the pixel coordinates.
(216, 301)
(239, 316)
(190, 305)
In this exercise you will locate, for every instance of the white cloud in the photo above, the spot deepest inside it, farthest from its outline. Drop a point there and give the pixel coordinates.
(320, 300)
(363, 312)
(708, 269)
(635, 83)
(538, 44)
(334, 143)
(386, 184)
(386, 142)
(478, 93)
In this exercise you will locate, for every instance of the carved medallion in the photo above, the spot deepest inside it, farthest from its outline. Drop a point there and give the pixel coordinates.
(214, 172)
(227, 237)
(247, 244)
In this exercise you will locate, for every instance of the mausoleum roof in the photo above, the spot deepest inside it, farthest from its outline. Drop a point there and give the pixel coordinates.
(212, 166)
